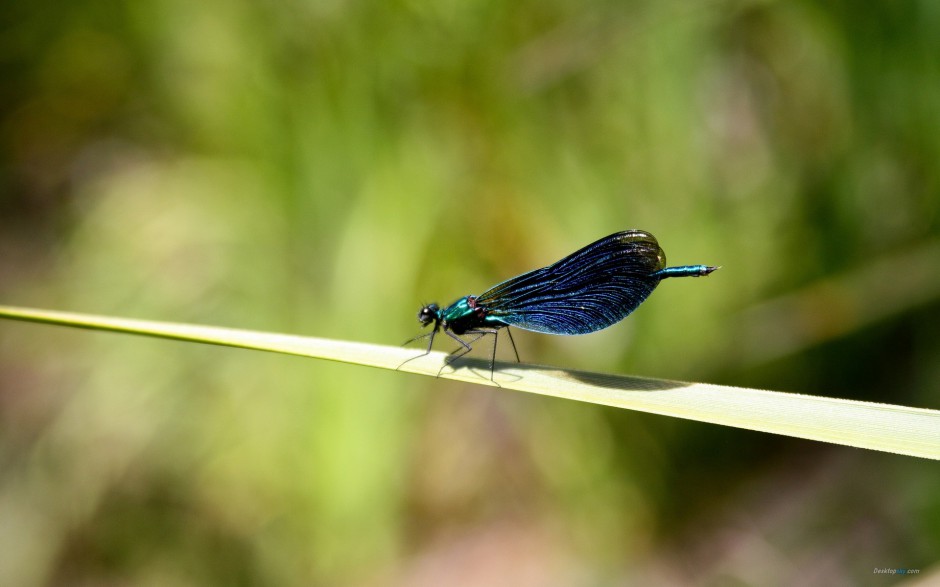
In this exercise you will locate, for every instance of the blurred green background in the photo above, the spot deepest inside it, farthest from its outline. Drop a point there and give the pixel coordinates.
(324, 167)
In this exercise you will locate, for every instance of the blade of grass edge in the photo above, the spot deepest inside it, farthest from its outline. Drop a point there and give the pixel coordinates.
(897, 429)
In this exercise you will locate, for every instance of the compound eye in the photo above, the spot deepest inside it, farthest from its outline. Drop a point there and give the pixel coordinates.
(427, 314)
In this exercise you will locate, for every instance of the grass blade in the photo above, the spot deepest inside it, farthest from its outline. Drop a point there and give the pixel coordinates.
(890, 428)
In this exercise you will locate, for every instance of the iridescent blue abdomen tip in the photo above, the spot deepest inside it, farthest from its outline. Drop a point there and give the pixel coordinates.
(685, 271)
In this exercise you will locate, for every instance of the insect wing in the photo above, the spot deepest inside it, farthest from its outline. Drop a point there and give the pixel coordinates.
(588, 290)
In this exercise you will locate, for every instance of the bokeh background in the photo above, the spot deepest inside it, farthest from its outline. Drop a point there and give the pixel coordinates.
(324, 167)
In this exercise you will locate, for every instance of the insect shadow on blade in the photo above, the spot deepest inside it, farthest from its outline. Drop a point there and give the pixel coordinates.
(589, 290)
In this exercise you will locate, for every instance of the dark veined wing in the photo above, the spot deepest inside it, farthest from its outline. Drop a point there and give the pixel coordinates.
(586, 291)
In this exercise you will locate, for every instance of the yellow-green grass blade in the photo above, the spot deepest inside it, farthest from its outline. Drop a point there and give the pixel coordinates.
(897, 429)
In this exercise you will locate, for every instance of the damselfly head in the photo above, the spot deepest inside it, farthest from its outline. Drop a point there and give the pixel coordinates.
(428, 314)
